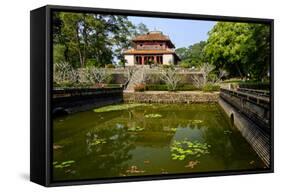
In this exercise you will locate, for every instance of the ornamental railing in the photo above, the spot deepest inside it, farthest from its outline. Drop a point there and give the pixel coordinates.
(264, 93)
(254, 106)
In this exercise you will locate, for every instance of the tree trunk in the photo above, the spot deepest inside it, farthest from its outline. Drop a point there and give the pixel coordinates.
(78, 47)
(239, 71)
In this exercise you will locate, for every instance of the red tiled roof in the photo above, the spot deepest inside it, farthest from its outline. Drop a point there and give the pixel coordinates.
(143, 51)
(153, 36)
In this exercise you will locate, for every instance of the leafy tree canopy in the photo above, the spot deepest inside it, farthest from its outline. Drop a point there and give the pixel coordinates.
(91, 39)
(193, 55)
(243, 49)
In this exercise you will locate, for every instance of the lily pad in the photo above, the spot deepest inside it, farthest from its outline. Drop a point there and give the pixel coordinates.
(97, 141)
(195, 121)
(63, 164)
(153, 115)
(137, 128)
(180, 150)
(173, 129)
(227, 132)
(117, 107)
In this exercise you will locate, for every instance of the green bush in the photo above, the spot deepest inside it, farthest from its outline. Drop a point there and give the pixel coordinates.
(186, 87)
(64, 84)
(110, 66)
(113, 85)
(209, 87)
(156, 87)
(184, 65)
(161, 87)
(167, 66)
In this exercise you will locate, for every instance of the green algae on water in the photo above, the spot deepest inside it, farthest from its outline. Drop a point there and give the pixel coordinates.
(63, 164)
(118, 107)
(153, 115)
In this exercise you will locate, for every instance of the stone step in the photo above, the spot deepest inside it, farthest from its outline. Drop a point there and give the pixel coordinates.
(136, 78)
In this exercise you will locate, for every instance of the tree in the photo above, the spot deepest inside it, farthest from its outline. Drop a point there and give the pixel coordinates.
(182, 53)
(64, 73)
(141, 29)
(193, 56)
(199, 80)
(97, 75)
(170, 77)
(240, 48)
(90, 39)
(129, 73)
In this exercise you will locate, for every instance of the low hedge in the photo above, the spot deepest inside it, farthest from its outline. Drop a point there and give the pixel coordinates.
(161, 87)
(209, 87)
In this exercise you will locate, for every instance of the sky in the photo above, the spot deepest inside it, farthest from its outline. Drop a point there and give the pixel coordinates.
(182, 32)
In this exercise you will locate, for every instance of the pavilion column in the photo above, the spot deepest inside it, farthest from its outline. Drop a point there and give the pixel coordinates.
(155, 59)
(142, 59)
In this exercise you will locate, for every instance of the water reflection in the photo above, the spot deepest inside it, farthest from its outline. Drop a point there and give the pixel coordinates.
(138, 142)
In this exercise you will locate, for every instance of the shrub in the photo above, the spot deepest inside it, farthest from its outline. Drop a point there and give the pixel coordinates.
(156, 87)
(64, 84)
(184, 65)
(187, 87)
(113, 85)
(110, 66)
(161, 87)
(209, 87)
(167, 66)
(139, 87)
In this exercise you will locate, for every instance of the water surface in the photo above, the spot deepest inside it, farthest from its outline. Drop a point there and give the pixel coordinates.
(138, 141)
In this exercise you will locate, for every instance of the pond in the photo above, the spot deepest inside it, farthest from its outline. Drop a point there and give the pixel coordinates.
(148, 139)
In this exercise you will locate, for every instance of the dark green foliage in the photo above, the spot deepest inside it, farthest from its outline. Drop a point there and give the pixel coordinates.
(59, 50)
(191, 56)
(255, 85)
(91, 39)
(140, 29)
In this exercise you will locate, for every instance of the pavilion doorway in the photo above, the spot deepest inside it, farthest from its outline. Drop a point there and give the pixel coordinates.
(148, 59)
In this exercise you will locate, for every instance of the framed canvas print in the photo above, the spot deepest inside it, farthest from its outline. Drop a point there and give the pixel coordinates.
(123, 95)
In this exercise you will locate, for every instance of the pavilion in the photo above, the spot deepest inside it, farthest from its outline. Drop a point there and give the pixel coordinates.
(151, 48)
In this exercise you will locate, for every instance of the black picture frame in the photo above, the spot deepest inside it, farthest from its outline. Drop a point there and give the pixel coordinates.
(41, 86)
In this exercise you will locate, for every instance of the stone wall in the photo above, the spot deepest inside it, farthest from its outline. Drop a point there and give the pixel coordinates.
(67, 101)
(256, 137)
(256, 108)
(170, 97)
